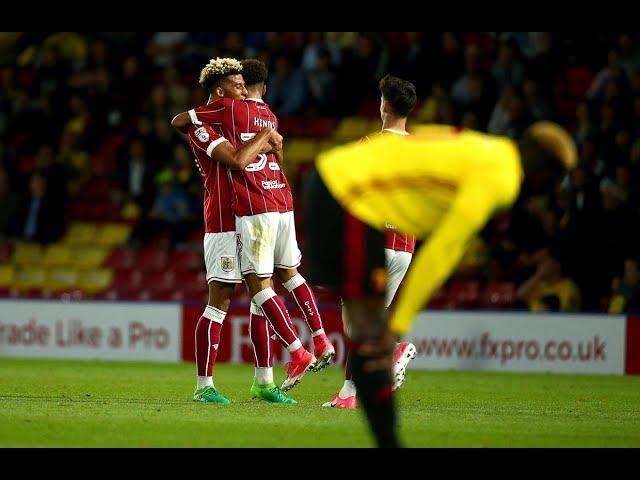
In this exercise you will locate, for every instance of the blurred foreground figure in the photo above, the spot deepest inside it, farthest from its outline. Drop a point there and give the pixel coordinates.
(442, 185)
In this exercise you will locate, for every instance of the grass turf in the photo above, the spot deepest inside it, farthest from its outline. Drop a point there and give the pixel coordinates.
(53, 403)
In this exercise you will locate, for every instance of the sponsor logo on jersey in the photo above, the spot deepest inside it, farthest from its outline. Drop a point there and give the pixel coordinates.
(202, 134)
(272, 184)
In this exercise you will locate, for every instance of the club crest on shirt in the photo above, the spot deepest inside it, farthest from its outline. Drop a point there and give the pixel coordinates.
(227, 263)
(202, 134)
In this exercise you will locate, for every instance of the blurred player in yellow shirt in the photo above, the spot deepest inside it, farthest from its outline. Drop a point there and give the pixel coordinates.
(440, 184)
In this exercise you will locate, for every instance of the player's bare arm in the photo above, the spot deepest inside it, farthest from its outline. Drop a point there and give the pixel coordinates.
(276, 141)
(274, 145)
(241, 157)
(181, 122)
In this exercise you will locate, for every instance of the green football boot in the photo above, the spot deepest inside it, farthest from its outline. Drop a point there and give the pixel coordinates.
(210, 395)
(270, 393)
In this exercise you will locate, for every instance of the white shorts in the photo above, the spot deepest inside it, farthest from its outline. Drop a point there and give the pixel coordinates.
(267, 240)
(221, 257)
(397, 266)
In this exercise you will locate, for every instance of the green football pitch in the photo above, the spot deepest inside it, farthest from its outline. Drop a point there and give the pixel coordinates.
(45, 403)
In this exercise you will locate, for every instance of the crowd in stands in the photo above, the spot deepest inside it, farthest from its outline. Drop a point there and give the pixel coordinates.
(85, 136)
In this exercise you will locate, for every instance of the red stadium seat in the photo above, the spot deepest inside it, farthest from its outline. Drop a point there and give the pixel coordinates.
(122, 259)
(464, 293)
(128, 280)
(187, 260)
(27, 163)
(103, 165)
(97, 189)
(161, 283)
(153, 259)
(177, 296)
(111, 145)
(5, 252)
(194, 288)
(80, 211)
(72, 294)
(498, 295)
(195, 294)
(110, 294)
(24, 77)
(197, 236)
(439, 299)
(241, 295)
(144, 295)
(184, 278)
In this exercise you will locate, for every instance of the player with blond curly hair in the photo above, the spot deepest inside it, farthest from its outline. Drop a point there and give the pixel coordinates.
(213, 154)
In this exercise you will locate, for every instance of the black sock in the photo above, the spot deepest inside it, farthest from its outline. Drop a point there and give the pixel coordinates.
(375, 393)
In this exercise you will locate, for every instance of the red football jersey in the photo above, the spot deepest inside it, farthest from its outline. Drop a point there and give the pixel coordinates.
(399, 242)
(218, 214)
(262, 186)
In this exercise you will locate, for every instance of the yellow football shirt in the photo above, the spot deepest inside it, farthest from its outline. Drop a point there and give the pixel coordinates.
(440, 184)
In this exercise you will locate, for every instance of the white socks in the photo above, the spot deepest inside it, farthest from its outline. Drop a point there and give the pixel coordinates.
(264, 375)
(204, 382)
(348, 389)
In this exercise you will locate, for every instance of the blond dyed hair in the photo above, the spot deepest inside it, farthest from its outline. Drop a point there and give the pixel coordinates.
(218, 68)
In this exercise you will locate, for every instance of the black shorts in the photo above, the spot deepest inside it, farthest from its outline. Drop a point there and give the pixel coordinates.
(341, 252)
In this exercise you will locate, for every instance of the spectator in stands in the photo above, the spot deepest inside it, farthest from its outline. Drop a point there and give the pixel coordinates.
(170, 212)
(510, 117)
(90, 87)
(162, 140)
(130, 87)
(322, 83)
(629, 54)
(364, 63)
(164, 48)
(549, 279)
(606, 75)
(585, 128)
(73, 159)
(286, 88)
(508, 69)
(157, 105)
(626, 290)
(537, 104)
(38, 219)
(170, 205)
(232, 45)
(187, 178)
(56, 173)
(474, 89)
(449, 60)
(8, 204)
(317, 43)
(136, 173)
(177, 93)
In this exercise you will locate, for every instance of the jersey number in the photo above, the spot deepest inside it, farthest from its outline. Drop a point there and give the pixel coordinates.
(262, 162)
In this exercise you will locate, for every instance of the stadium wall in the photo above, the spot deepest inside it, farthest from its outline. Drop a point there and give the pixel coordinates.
(518, 342)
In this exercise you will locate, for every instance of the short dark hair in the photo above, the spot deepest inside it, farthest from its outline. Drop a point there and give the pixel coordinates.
(400, 94)
(254, 72)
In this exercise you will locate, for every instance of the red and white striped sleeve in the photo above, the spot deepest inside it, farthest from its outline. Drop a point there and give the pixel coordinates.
(204, 138)
(211, 114)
